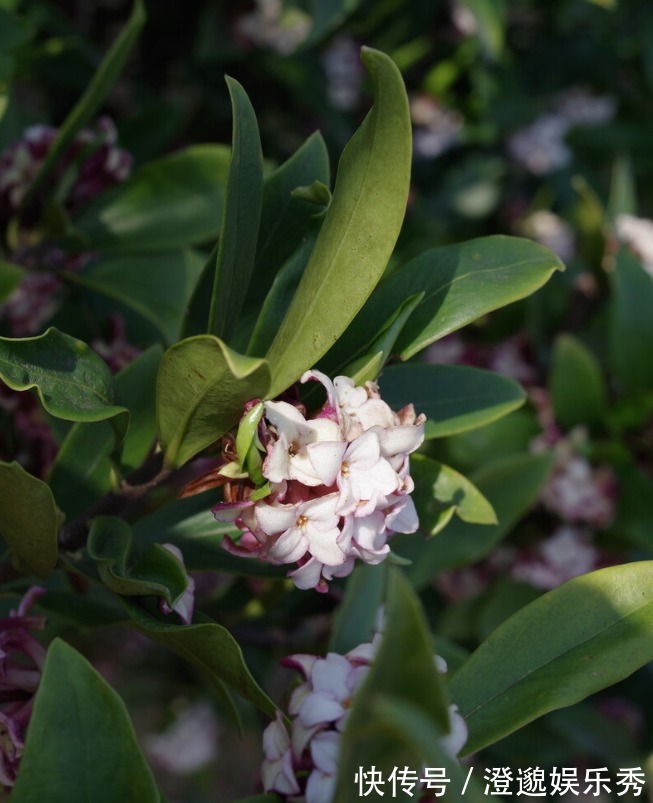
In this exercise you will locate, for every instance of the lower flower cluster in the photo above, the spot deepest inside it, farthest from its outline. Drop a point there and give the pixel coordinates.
(337, 485)
(302, 763)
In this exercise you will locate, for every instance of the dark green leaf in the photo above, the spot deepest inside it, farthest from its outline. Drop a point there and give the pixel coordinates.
(354, 621)
(631, 324)
(80, 743)
(211, 648)
(359, 231)
(157, 573)
(511, 486)
(543, 658)
(81, 470)
(14, 30)
(454, 398)
(93, 96)
(202, 388)
(28, 519)
(72, 382)
(623, 195)
(241, 219)
(156, 286)
(278, 300)
(404, 670)
(168, 204)
(576, 384)
(461, 283)
(284, 218)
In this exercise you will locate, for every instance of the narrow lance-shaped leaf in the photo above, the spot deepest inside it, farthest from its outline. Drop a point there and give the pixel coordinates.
(28, 519)
(460, 284)
(576, 384)
(202, 388)
(543, 658)
(80, 743)
(93, 97)
(404, 670)
(242, 214)
(72, 382)
(358, 233)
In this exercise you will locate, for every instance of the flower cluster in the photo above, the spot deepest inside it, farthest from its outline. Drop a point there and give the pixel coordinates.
(305, 761)
(339, 483)
(98, 161)
(21, 662)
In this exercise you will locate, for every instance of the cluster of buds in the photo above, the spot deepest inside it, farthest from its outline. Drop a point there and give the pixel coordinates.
(99, 164)
(331, 489)
(303, 763)
(21, 663)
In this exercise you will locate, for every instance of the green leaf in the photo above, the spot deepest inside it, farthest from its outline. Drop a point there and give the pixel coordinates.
(28, 519)
(10, 277)
(285, 219)
(355, 617)
(623, 193)
(490, 21)
(368, 367)
(93, 97)
(403, 670)
(80, 743)
(438, 487)
(631, 324)
(576, 384)
(461, 283)
(454, 398)
(202, 388)
(81, 470)
(72, 382)
(359, 231)
(170, 203)
(14, 30)
(156, 286)
(543, 658)
(511, 486)
(157, 573)
(278, 300)
(210, 647)
(241, 219)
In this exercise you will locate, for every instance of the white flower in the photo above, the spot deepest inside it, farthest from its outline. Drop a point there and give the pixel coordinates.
(277, 771)
(288, 457)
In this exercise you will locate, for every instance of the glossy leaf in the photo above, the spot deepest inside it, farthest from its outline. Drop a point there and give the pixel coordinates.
(403, 670)
(511, 486)
(454, 398)
(72, 382)
(81, 470)
(80, 744)
(631, 324)
(241, 218)
(359, 231)
(438, 487)
(28, 519)
(155, 286)
(576, 384)
(542, 658)
(285, 219)
(355, 618)
(168, 204)
(93, 97)
(278, 300)
(623, 194)
(157, 573)
(212, 649)
(202, 388)
(461, 283)
(10, 277)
